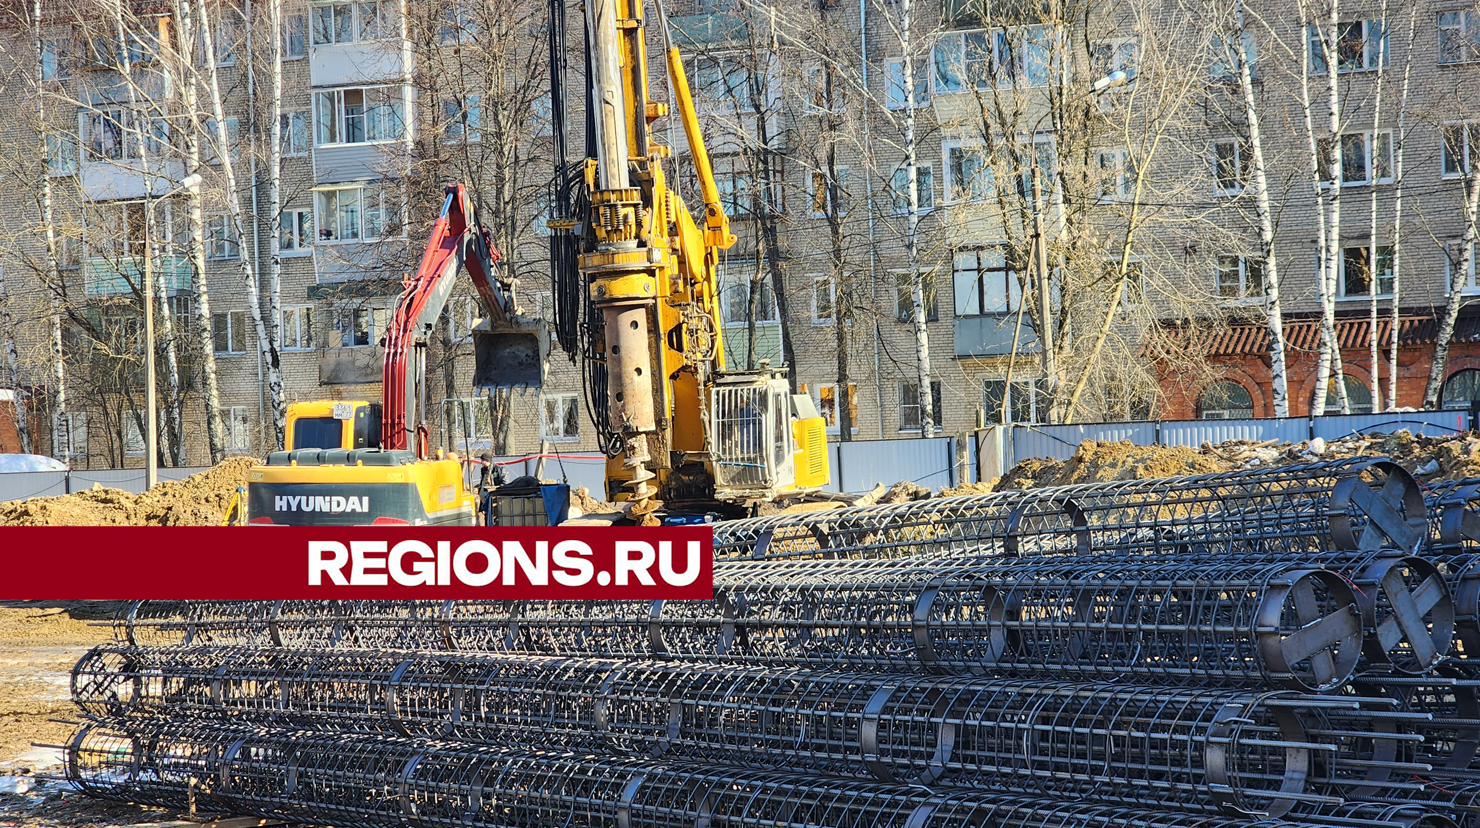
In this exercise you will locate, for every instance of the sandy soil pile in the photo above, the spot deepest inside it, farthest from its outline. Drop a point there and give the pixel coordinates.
(1431, 459)
(198, 500)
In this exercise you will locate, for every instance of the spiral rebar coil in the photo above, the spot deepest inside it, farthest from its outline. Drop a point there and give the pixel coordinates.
(351, 781)
(1356, 504)
(1164, 620)
(1198, 748)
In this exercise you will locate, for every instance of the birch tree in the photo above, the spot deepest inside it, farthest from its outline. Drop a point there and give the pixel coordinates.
(1374, 265)
(1274, 314)
(13, 374)
(261, 323)
(1400, 141)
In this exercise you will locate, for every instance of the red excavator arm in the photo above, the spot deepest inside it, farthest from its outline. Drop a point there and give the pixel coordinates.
(511, 350)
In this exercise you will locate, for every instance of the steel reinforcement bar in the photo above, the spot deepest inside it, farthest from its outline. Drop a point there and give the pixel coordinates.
(1215, 749)
(1202, 621)
(1356, 504)
(355, 781)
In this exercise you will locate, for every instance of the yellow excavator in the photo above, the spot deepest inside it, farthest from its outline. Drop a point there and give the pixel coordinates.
(636, 288)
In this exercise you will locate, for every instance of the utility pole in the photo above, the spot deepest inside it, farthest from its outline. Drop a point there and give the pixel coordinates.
(1041, 280)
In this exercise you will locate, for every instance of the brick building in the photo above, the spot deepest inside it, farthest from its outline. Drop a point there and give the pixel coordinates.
(381, 108)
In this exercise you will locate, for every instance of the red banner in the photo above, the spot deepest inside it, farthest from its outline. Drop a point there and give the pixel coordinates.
(292, 563)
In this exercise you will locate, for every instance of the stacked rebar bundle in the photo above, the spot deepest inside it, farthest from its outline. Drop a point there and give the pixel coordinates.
(1266, 646)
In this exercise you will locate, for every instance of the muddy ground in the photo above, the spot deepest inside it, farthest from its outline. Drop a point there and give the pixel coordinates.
(39, 643)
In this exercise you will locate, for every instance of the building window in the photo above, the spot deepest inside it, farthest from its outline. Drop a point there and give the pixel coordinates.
(469, 423)
(1459, 36)
(228, 36)
(356, 214)
(240, 438)
(358, 326)
(1361, 45)
(1226, 400)
(54, 64)
(347, 22)
(295, 133)
(457, 25)
(1115, 175)
(905, 296)
(1115, 55)
(1021, 56)
(72, 427)
(1240, 277)
(1454, 257)
(112, 134)
(133, 437)
(824, 299)
(542, 116)
(1026, 400)
(1356, 273)
(827, 406)
(1358, 396)
(295, 40)
(1230, 166)
(736, 186)
(180, 315)
(1223, 63)
(909, 405)
(968, 177)
(295, 236)
(721, 87)
(1366, 158)
(736, 282)
(61, 155)
(463, 312)
(983, 282)
(924, 189)
(358, 116)
(1462, 389)
(296, 331)
(1461, 148)
(821, 191)
(230, 332)
(462, 119)
(560, 418)
(221, 241)
(894, 91)
(215, 139)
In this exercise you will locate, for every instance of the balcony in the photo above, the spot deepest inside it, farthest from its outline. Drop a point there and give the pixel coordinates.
(343, 64)
(119, 277)
(991, 336)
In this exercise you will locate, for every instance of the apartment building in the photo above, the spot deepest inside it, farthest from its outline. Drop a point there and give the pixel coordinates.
(377, 113)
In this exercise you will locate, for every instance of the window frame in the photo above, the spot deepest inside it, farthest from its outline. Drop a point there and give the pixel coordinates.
(381, 190)
(901, 198)
(1341, 288)
(937, 409)
(741, 287)
(894, 91)
(819, 194)
(236, 331)
(1036, 387)
(238, 441)
(303, 36)
(1467, 28)
(1333, 399)
(904, 299)
(1241, 166)
(388, 116)
(817, 279)
(826, 400)
(357, 25)
(291, 224)
(1372, 58)
(570, 405)
(1469, 149)
(1243, 264)
(303, 322)
(1121, 177)
(1203, 410)
(289, 149)
(1471, 284)
(984, 181)
(1012, 296)
(465, 114)
(1005, 53)
(231, 247)
(56, 150)
(1220, 72)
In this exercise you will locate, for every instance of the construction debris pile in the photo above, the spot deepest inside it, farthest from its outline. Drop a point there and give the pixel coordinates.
(198, 500)
(1285, 646)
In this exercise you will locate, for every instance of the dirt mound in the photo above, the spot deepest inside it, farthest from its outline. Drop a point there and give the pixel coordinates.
(1431, 459)
(198, 500)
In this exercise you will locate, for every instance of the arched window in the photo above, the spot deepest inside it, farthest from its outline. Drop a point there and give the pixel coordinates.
(1226, 401)
(1357, 394)
(1462, 388)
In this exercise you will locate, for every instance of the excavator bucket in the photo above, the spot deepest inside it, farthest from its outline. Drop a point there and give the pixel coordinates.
(510, 354)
